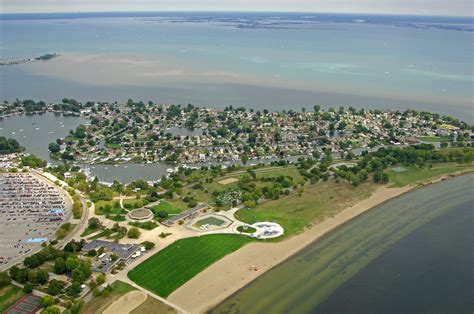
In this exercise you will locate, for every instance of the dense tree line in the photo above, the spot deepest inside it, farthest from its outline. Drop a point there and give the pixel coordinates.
(9, 145)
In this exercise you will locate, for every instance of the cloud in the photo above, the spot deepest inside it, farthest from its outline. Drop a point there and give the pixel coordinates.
(421, 7)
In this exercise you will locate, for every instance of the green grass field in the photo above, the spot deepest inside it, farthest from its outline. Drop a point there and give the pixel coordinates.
(434, 139)
(414, 174)
(170, 268)
(9, 295)
(318, 201)
(134, 203)
(246, 230)
(114, 208)
(89, 231)
(171, 207)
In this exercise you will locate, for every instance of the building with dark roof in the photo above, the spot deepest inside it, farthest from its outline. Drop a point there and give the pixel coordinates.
(185, 215)
(104, 262)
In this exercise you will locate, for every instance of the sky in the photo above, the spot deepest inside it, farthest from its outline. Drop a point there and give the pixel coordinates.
(418, 7)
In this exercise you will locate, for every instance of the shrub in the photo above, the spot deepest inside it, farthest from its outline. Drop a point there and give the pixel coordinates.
(148, 245)
(133, 233)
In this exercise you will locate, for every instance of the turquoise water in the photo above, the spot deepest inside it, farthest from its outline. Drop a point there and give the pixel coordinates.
(412, 254)
(331, 61)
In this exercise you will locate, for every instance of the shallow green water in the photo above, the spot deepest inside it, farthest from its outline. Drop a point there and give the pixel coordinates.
(304, 281)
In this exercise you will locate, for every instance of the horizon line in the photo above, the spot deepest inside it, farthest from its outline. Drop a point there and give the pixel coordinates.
(241, 11)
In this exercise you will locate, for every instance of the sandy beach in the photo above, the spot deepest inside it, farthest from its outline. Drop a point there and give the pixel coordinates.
(234, 271)
(127, 303)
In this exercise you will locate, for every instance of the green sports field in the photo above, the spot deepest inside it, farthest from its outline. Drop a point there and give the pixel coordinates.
(170, 268)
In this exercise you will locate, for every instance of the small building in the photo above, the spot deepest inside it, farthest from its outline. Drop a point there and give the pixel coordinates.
(113, 254)
(187, 214)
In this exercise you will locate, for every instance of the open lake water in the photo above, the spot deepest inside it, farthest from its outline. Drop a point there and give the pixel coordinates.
(276, 61)
(412, 254)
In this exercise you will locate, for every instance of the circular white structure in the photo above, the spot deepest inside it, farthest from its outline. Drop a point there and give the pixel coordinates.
(264, 230)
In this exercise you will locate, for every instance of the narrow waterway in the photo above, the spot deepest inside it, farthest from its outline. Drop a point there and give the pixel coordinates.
(410, 254)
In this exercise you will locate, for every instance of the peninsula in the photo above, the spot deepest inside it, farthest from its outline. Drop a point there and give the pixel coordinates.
(249, 189)
(21, 60)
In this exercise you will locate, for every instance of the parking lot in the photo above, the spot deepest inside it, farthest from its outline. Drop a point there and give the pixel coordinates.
(31, 210)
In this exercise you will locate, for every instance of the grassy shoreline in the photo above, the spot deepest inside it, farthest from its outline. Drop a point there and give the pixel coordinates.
(295, 213)
(327, 272)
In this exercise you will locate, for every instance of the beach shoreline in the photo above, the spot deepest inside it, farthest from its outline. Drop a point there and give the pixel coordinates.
(236, 270)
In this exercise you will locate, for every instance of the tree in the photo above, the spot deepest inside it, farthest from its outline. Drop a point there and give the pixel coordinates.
(42, 276)
(317, 108)
(4, 279)
(74, 289)
(28, 288)
(244, 159)
(378, 176)
(162, 214)
(148, 245)
(51, 310)
(71, 263)
(47, 301)
(61, 233)
(100, 279)
(94, 223)
(32, 261)
(133, 233)
(76, 306)
(55, 287)
(22, 275)
(54, 148)
(59, 266)
(8, 145)
(78, 275)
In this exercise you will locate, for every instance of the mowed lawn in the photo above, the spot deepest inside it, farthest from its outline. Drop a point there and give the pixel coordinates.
(414, 174)
(318, 201)
(172, 207)
(170, 268)
(434, 139)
